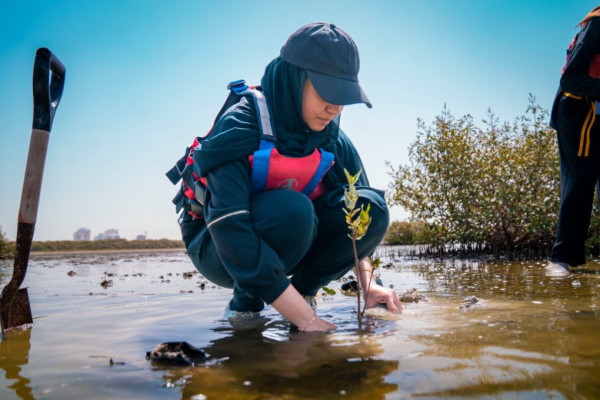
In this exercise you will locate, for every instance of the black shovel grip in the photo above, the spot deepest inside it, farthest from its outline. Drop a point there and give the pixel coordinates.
(47, 89)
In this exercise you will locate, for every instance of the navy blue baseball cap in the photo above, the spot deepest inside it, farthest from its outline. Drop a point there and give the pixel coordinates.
(330, 58)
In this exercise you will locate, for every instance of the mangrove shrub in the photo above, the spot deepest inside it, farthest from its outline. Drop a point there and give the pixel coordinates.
(7, 249)
(406, 233)
(494, 187)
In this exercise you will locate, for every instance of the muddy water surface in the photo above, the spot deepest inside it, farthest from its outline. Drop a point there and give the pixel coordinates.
(96, 316)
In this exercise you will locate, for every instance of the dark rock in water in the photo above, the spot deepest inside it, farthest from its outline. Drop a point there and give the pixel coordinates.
(176, 353)
(189, 275)
(413, 296)
(351, 286)
(468, 302)
(113, 362)
(106, 283)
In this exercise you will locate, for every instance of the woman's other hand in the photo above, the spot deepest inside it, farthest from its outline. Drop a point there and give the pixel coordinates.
(373, 293)
(376, 294)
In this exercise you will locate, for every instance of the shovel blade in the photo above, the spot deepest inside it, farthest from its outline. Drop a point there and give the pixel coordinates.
(16, 312)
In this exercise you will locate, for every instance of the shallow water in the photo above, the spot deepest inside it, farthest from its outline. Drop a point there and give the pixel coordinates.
(530, 337)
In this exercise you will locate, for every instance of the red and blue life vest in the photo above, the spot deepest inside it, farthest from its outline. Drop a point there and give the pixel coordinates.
(270, 169)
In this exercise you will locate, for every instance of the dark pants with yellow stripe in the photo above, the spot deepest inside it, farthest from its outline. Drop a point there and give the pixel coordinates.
(579, 151)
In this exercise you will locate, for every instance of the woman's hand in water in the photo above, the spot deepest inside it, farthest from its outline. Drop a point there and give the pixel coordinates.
(375, 294)
(319, 325)
(293, 307)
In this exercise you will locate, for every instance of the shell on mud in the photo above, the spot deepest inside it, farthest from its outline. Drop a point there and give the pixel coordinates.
(176, 353)
(413, 296)
(469, 302)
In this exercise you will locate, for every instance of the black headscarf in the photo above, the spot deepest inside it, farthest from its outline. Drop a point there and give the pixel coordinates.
(282, 85)
(237, 135)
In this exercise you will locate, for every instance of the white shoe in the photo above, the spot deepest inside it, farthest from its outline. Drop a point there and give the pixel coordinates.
(557, 269)
(232, 314)
(244, 320)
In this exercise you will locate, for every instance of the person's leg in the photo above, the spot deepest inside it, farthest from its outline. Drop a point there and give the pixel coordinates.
(284, 219)
(331, 255)
(578, 176)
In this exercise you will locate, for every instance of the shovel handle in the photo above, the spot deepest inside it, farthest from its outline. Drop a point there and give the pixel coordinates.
(47, 91)
(48, 84)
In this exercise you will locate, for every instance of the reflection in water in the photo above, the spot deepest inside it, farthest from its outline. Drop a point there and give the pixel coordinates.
(14, 353)
(532, 334)
(266, 362)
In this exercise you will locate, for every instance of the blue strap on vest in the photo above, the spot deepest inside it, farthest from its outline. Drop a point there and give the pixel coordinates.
(260, 166)
(260, 169)
(326, 162)
(261, 158)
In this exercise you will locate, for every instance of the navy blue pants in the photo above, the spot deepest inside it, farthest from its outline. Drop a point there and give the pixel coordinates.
(578, 176)
(314, 253)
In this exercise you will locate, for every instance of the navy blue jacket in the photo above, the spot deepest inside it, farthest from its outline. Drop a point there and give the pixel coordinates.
(253, 264)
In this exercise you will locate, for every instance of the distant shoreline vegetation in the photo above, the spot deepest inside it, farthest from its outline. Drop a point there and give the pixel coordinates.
(7, 248)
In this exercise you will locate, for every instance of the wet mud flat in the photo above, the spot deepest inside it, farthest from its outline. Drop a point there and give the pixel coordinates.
(97, 315)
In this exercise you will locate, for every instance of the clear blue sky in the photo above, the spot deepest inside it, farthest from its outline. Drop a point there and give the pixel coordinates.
(144, 77)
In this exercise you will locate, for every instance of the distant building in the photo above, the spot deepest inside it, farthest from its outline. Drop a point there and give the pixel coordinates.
(140, 237)
(100, 236)
(112, 233)
(82, 234)
(107, 234)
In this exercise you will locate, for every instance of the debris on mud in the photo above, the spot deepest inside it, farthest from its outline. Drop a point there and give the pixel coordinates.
(106, 283)
(112, 362)
(413, 296)
(71, 273)
(188, 275)
(350, 287)
(176, 353)
(469, 302)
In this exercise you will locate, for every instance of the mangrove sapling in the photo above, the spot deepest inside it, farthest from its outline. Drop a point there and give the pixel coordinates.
(358, 221)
